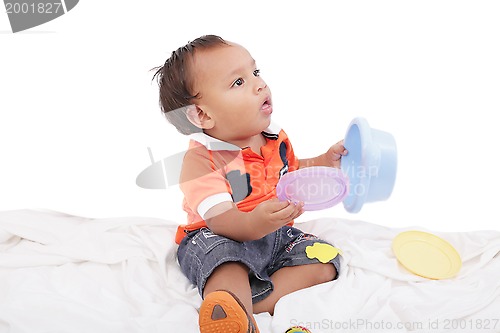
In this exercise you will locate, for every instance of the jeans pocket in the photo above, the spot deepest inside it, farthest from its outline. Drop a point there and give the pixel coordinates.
(206, 240)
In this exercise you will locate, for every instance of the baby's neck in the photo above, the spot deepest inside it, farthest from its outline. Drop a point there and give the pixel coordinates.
(255, 143)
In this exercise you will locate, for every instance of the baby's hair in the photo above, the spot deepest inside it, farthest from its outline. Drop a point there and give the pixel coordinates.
(176, 82)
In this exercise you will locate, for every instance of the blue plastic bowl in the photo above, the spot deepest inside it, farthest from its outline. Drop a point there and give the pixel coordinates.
(370, 164)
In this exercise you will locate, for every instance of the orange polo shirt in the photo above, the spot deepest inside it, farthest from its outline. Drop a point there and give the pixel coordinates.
(214, 171)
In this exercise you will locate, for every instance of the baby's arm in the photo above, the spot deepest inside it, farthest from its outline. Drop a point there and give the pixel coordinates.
(330, 159)
(227, 220)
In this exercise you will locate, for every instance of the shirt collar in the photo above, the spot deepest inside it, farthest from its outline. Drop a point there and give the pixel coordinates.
(215, 144)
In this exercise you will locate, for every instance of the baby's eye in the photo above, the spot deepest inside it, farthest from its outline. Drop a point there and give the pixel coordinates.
(256, 72)
(238, 82)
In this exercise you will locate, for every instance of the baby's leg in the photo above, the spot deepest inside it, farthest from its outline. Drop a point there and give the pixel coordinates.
(303, 260)
(227, 304)
(212, 263)
(232, 276)
(289, 279)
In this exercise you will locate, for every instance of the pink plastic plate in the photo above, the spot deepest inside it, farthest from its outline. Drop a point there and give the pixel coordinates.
(318, 187)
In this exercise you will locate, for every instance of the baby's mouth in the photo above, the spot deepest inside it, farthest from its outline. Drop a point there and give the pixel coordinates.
(267, 107)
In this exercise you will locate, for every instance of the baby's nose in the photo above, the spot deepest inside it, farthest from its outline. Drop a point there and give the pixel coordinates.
(260, 85)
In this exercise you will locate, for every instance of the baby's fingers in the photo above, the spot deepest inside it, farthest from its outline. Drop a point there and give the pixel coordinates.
(290, 212)
(274, 205)
(339, 150)
(298, 212)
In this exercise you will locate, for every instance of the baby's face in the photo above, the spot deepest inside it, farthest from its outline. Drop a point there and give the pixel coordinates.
(232, 92)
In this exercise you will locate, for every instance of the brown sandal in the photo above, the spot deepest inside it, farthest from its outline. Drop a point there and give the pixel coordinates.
(221, 311)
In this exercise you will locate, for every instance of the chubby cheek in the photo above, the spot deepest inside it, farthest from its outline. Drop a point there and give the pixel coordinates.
(239, 122)
(237, 110)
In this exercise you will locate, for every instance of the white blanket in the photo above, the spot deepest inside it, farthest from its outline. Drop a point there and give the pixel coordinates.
(62, 273)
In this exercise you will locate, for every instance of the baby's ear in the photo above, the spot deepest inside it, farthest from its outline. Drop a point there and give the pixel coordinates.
(198, 117)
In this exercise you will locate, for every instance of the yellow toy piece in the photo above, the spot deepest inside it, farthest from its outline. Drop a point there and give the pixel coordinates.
(298, 329)
(323, 252)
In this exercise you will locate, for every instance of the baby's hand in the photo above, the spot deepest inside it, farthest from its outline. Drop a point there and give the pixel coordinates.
(273, 214)
(335, 153)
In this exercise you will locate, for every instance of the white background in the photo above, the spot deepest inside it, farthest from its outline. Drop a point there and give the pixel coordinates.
(78, 108)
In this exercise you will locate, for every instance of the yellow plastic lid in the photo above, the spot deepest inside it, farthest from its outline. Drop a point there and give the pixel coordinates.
(426, 255)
